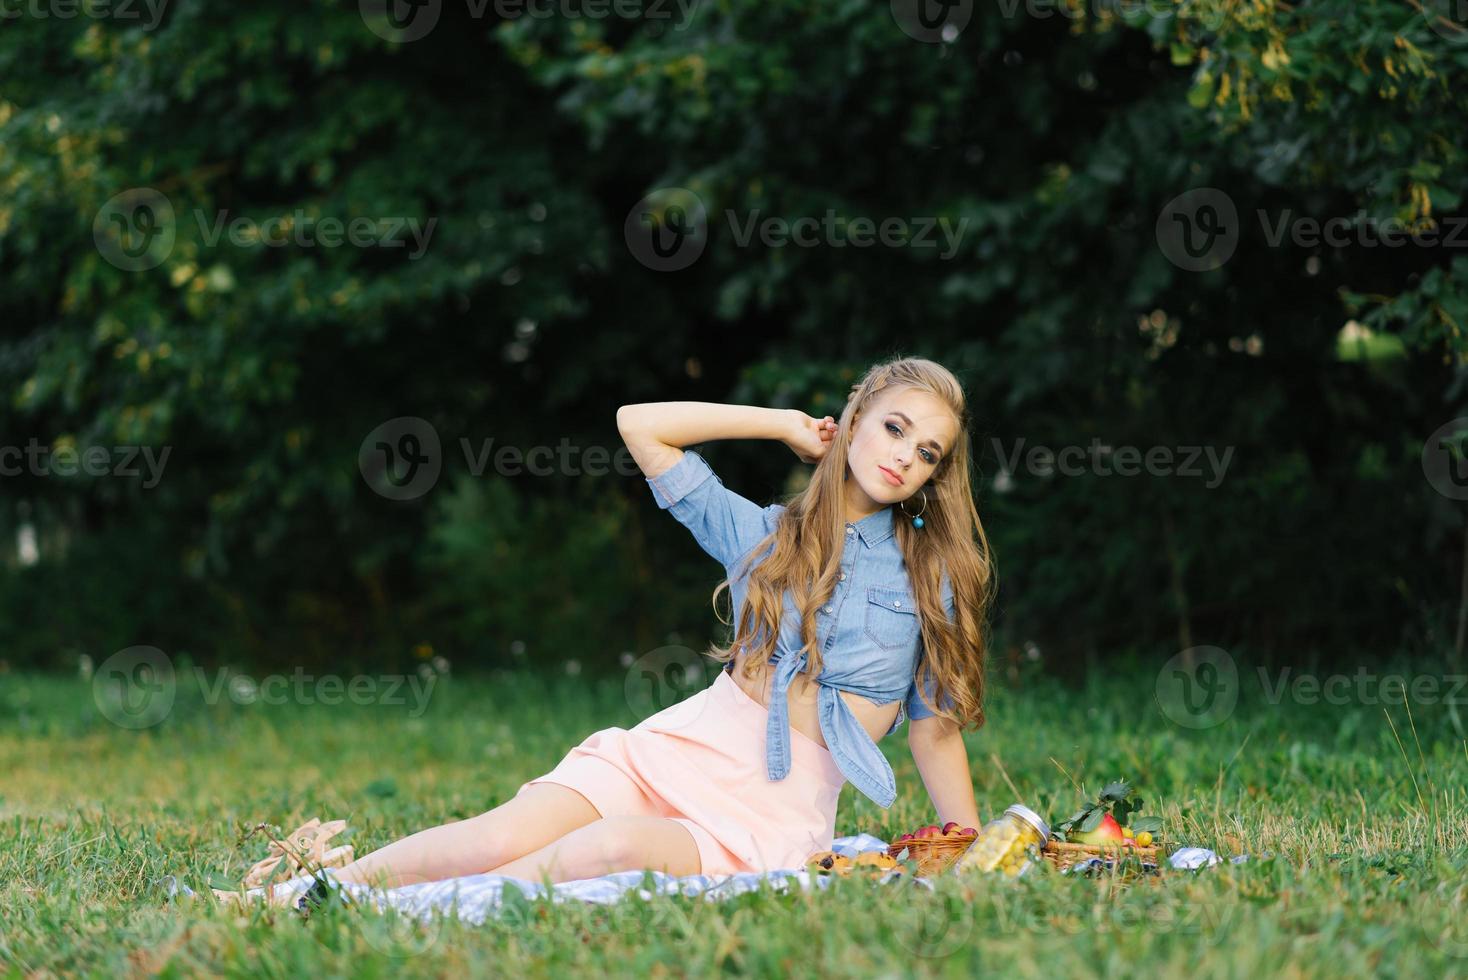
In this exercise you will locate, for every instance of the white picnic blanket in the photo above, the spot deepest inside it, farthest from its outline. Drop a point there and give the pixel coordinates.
(474, 898)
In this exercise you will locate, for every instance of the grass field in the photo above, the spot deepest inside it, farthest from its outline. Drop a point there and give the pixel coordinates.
(1362, 808)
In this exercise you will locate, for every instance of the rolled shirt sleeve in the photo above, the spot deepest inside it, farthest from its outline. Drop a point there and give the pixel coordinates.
(724, 524)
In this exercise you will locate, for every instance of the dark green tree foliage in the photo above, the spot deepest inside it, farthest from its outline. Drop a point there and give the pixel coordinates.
(1050, 143)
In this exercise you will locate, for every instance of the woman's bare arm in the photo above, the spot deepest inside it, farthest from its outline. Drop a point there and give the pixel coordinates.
(655, 431)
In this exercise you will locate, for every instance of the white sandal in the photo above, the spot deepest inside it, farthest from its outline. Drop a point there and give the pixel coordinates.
(303, 851)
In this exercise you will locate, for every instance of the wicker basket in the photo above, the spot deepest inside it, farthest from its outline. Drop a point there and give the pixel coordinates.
(1063, 855)
(934, 855)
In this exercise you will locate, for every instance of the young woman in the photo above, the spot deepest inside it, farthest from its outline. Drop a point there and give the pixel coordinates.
(862, 596)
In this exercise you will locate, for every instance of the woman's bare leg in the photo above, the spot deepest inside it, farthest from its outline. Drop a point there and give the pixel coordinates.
(541, 814)
(611, 844)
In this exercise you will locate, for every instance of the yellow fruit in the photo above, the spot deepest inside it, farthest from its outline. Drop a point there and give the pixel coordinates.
(1144, 839)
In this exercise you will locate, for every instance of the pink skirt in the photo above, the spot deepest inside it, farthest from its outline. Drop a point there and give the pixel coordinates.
(701, 762)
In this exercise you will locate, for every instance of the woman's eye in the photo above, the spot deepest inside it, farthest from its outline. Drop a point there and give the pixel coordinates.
(927, 456)
(892, 427)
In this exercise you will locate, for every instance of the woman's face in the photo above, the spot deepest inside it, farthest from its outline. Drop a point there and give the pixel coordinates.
(901, 436)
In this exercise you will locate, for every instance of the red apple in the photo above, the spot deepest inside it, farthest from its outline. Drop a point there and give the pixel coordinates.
(950, 827)
(970, 830)
(1109, 832)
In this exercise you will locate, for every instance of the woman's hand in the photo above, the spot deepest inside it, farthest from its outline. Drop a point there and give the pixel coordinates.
(809, 438)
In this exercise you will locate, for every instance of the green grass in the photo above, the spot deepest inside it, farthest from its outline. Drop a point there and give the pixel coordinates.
(1370, 838)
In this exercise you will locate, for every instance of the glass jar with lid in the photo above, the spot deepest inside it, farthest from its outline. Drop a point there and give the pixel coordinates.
(1009, 844)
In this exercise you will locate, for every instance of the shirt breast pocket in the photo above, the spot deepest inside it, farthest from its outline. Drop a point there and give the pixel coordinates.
(890, 618)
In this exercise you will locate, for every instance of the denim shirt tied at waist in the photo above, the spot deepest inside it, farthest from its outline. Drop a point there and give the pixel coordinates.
(871, 642)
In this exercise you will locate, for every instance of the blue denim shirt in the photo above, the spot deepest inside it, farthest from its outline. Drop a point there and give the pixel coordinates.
(870, 638)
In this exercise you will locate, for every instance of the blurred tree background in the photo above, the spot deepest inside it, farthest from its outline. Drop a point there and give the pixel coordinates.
(1056, 133)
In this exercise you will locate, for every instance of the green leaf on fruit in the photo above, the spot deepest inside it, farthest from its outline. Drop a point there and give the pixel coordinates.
(1151, 825)
(1092, 820)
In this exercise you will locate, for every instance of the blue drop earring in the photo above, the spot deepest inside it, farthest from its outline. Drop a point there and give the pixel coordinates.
(917, 520)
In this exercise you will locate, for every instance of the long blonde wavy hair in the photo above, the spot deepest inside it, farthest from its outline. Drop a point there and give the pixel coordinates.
(808, 541)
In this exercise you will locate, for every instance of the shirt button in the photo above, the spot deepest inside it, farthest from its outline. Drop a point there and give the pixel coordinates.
(826, 609)
(850, 529)
(843, 576)
(896, 603)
